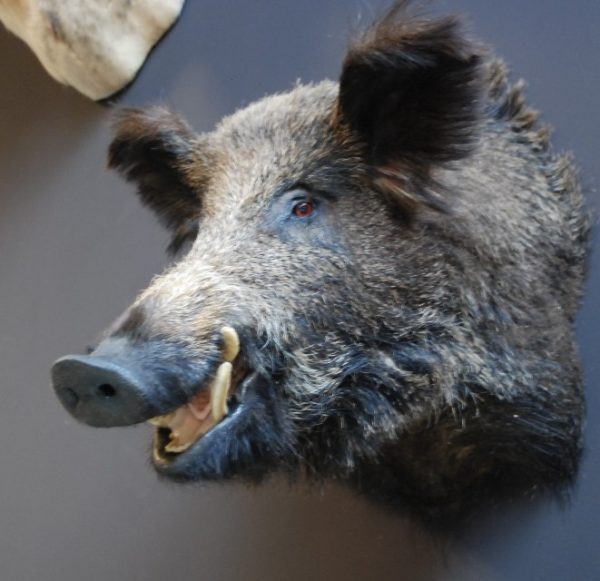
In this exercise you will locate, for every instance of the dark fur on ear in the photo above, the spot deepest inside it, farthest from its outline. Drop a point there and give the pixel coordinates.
(410, 91)
(157, 150)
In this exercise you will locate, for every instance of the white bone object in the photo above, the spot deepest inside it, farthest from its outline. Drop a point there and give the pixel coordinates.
(95, 46)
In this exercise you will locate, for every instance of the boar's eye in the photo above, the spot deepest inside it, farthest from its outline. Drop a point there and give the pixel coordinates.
(303, 209)
(294, 210)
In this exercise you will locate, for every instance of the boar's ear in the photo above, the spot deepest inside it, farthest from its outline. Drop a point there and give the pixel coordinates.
(158, 151)
(409, 92)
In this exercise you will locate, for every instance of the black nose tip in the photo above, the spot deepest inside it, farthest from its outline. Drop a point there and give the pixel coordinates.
(99, 391)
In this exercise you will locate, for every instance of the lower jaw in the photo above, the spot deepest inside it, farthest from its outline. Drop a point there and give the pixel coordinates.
(160, 456)
(179, 431)
(164, 460)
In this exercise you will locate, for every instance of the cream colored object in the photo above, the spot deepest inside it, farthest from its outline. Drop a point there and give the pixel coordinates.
(231, 343)
(96, 46)
(220, 390)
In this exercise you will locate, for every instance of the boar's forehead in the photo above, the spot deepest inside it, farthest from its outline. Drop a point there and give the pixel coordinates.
(280, 141)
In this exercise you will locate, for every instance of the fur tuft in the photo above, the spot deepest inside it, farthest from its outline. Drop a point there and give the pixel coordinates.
(507, 103)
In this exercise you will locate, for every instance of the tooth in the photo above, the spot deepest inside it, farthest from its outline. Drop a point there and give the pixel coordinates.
(158, 421)
(185, 431)
(162, 421)
(219, 391)
(177, 448)
(232, 343)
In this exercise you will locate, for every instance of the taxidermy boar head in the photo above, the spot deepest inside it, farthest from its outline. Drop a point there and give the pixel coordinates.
(375, 281)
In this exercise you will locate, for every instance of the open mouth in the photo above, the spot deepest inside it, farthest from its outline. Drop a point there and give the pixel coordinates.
(177, 431)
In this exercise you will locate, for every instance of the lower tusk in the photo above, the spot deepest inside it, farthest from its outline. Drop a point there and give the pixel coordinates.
(220, 390)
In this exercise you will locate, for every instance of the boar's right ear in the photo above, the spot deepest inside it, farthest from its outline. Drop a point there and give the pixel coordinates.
(409, 93)
(158, 151)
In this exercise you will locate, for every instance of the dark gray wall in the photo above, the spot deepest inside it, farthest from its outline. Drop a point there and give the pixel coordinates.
(78, 503)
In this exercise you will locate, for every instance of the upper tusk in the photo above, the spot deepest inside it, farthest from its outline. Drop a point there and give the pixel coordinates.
(231, 343)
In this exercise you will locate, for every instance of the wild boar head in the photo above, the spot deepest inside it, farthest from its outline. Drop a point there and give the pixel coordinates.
(375, 281)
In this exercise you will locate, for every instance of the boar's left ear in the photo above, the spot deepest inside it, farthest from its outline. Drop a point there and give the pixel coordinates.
(158, 151)
(410, 92)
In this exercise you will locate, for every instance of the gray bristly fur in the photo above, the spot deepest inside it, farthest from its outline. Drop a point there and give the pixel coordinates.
(414, 337)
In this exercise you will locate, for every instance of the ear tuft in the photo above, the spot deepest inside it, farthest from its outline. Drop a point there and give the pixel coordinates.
(156, 149)
(410, 92)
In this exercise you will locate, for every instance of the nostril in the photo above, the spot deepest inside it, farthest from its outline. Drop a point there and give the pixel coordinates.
(70, 397)
(107, 391)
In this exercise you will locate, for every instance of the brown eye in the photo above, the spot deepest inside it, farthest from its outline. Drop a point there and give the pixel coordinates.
(303, 209)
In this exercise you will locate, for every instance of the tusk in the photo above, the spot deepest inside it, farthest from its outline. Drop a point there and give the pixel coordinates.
(232, 343)
(219, 391)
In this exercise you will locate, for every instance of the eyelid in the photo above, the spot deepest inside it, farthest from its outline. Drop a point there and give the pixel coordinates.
(305, 197)
(302, 195)
(307, 192)
(302, 191)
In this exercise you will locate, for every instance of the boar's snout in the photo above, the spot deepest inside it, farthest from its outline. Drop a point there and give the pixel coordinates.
(116, 385)
(99, 391)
